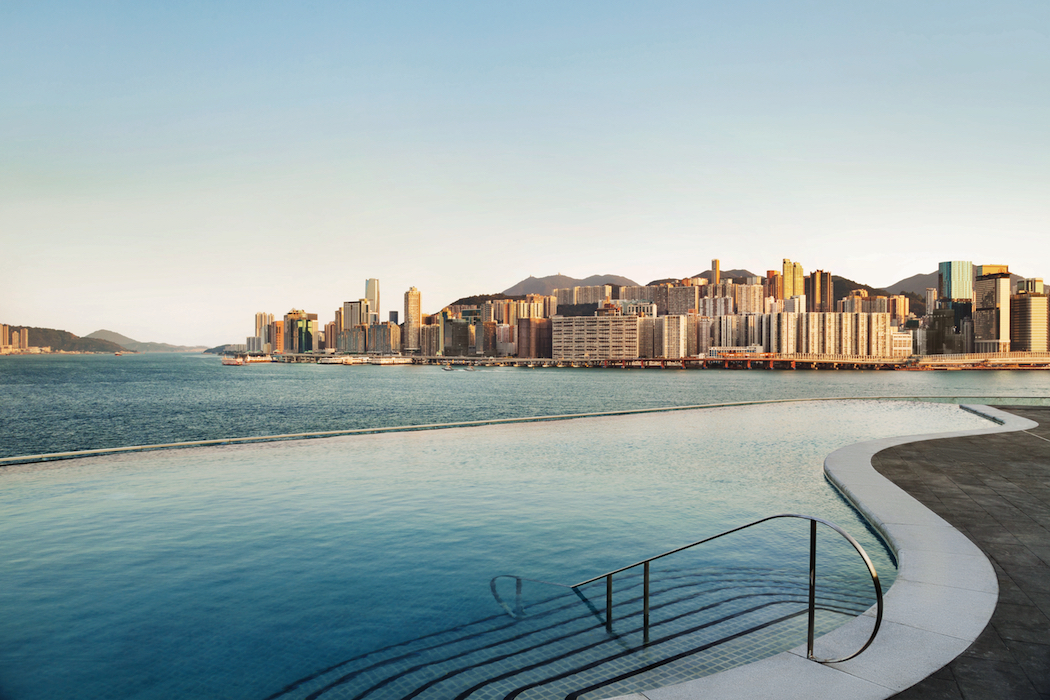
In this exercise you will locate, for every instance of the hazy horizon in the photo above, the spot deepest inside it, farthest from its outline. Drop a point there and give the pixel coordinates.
(169, 171)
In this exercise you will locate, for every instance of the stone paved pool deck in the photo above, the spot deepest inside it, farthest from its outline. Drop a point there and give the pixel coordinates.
(968, 516)
(996, 490)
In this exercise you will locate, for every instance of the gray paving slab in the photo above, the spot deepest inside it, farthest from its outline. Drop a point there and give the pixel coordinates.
(947, 588)
(994, 488)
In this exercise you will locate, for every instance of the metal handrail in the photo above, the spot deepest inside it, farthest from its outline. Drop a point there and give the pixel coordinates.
(518, 611)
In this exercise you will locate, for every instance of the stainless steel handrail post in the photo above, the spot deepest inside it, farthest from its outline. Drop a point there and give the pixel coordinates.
(645, 606)
(879, 603)
(812, 585)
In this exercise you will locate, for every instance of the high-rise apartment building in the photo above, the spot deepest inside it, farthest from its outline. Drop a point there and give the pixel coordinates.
(277, 337)
(357, 313)
(263, 321)
(534, 336)
(596, 294)
(955, 280)
(372, 294)
(716, 271)
(641, 293)
(413, 320)
(682, 300)
(566, 296)
(899, 307)
(635, 308)
(794, 284)
(5, 335)
(819, 291)
(773, 285)
(716, 306)
(748, 298)
(431, 340)
(384, 338)
(669, 337)
(931, 300)
(728, 331)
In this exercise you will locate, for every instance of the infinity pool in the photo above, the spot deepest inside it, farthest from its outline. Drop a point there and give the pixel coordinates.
(233, 571)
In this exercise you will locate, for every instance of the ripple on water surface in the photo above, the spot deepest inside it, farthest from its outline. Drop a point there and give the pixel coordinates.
(233, 571)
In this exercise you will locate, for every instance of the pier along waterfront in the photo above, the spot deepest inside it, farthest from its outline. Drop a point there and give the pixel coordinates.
(1011, 360)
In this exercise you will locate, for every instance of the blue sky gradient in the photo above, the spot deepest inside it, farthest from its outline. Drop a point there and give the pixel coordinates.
(169, 169)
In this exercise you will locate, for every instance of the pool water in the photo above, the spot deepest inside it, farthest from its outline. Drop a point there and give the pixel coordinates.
(233, 571)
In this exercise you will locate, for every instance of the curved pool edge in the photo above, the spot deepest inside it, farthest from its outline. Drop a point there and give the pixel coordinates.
(943, 597)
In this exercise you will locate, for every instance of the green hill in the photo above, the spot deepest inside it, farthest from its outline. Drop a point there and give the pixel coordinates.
(66, 341)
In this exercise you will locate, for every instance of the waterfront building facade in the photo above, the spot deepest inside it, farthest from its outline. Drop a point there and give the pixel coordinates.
(431, 339)
(384, 338)
(594, 337)
(991, 315)
(300, 330)
(535, 336)
(1029, 321)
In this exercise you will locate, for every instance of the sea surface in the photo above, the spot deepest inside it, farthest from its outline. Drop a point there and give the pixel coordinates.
(234, 571)
(74, 402)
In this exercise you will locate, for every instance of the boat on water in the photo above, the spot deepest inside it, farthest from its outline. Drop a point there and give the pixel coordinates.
(233, 361)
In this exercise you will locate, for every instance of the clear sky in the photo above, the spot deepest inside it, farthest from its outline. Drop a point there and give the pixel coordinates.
(169, 169)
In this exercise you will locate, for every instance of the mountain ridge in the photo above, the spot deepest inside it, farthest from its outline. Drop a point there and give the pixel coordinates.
(138, 346)
(546, 285)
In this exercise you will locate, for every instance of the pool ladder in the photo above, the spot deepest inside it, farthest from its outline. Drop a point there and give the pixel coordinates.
(518, 610)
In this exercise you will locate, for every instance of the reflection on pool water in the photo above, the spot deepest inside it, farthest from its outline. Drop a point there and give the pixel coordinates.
(238, 571)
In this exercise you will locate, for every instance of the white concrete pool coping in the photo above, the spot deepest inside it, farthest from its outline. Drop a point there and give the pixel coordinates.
(943, 597)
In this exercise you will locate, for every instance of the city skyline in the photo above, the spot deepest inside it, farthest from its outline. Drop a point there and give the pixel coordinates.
(962, 309)
(165, 166)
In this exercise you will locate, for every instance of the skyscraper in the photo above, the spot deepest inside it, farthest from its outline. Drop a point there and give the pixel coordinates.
(991, 315)
(774, 284)
(931, 300)
(955, 280)
(819, 291)
(1028, 322)
(300, 329)
(794, 284)
(413, 319)
(372, 294)
(716, 271)
(263, 321)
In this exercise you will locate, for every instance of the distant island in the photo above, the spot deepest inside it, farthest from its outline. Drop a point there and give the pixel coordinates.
(138, 346)
(64, 341)
(52, 340)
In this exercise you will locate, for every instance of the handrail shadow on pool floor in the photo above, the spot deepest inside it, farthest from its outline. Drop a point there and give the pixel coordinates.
(518, 610)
